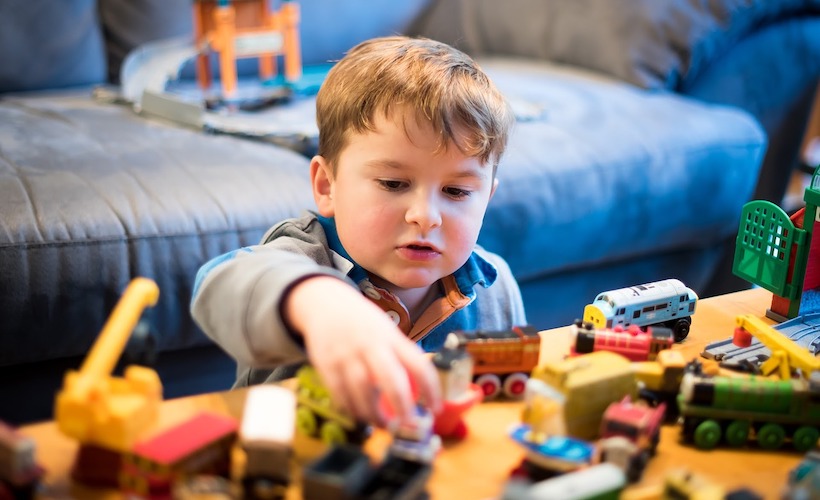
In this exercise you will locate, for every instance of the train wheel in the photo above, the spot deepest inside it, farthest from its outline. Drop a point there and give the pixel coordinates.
(737, 433)
(306, 421)
(514, 385)
(707, 434)
(771, 436)
(333, 433)
(490, 384)
(805, 438)
(680, 328)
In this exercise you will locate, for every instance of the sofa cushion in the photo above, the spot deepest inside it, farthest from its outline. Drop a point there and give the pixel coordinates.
(93, 195)
(599, 171)
(45, 44)
(609, 172)
(650, 43)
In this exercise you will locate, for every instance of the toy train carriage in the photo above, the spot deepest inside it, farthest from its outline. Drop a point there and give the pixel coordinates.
(502, 359)
(668, 302)
(19, 473)
(266, 436)
(201, 445)
(730, 408)
(632, 343)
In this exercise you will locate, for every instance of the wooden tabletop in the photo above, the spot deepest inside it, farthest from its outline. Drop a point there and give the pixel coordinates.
(478, 467)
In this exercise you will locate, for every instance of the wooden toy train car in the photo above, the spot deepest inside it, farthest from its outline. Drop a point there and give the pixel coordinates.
(734, 409)
(200, 445)
(502, 359)
(668, 303)
(631, 342)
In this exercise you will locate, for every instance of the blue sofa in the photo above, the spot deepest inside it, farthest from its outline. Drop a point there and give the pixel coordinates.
(641, 132)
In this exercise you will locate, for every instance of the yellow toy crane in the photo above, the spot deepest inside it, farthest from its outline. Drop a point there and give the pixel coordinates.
(786, 354)
(98, 409)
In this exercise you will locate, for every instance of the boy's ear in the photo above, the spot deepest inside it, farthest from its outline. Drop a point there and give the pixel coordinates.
(322, 181)
(492, 189)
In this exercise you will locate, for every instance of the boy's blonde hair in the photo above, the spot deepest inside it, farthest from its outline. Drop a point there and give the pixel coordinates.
(442, 84)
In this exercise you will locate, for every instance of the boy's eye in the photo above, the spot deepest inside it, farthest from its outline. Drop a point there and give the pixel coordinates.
(391, 185)
(457, 193)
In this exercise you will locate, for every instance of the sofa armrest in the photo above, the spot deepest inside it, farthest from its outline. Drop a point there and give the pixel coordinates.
(649, 43)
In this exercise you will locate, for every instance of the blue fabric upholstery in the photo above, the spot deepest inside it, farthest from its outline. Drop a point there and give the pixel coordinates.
(45, 44)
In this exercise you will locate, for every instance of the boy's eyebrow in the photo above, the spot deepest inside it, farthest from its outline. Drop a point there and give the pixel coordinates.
(392, 164)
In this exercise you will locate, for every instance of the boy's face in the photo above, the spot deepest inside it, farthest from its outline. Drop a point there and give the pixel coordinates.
(406, 213)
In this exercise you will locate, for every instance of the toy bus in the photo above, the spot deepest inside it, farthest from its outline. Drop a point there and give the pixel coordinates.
(266, 436)
(316, 416)
(667, 303)
(502, 359)
(631, 342)
(733, 409)
(19, 473)
(200, 445)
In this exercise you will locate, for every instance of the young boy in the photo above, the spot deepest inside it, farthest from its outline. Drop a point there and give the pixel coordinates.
(411, 132)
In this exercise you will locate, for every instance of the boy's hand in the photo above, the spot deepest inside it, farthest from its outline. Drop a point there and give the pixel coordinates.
(358, 351)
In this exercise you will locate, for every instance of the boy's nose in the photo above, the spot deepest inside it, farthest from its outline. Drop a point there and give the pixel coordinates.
(424, 212)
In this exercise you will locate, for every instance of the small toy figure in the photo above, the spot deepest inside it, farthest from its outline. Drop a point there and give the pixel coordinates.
(667, 303)
(415, 439)
(455, 369)
(19, 473)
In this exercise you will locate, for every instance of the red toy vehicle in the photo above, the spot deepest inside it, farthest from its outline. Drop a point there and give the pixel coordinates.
(631, 342)
(630, 434)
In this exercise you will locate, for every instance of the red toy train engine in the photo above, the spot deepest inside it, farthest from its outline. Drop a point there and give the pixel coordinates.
(632, 342)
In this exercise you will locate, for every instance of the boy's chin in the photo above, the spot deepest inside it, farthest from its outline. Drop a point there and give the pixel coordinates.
(411, 281)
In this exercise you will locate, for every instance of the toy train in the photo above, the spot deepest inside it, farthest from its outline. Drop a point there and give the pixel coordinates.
(502, 359)
(631, 342)
(667, 303)
(734, 409)
(200, 445)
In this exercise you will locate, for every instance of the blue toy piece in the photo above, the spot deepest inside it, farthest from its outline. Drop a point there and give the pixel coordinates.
(554, 454)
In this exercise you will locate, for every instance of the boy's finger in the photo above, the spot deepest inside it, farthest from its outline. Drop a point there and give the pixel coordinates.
(394, 387)
(424, 374)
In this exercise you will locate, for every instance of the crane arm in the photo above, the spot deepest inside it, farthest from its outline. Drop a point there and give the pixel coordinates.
(786, 354)
(103, 356)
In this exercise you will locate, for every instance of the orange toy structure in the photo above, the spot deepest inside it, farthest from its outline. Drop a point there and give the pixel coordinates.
(111, 412)
(246, 28)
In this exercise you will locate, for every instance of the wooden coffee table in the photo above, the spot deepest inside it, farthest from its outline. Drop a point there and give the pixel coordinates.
(479, 466)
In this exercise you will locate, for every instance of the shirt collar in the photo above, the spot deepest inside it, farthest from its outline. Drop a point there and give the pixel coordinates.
(476, 271)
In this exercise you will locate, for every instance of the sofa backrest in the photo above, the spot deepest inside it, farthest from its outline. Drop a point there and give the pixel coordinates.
(45, 44)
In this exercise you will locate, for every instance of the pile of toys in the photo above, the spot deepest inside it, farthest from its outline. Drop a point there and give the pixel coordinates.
(590, 422)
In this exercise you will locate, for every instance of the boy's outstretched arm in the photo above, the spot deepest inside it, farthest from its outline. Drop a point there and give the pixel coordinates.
(357, 350)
